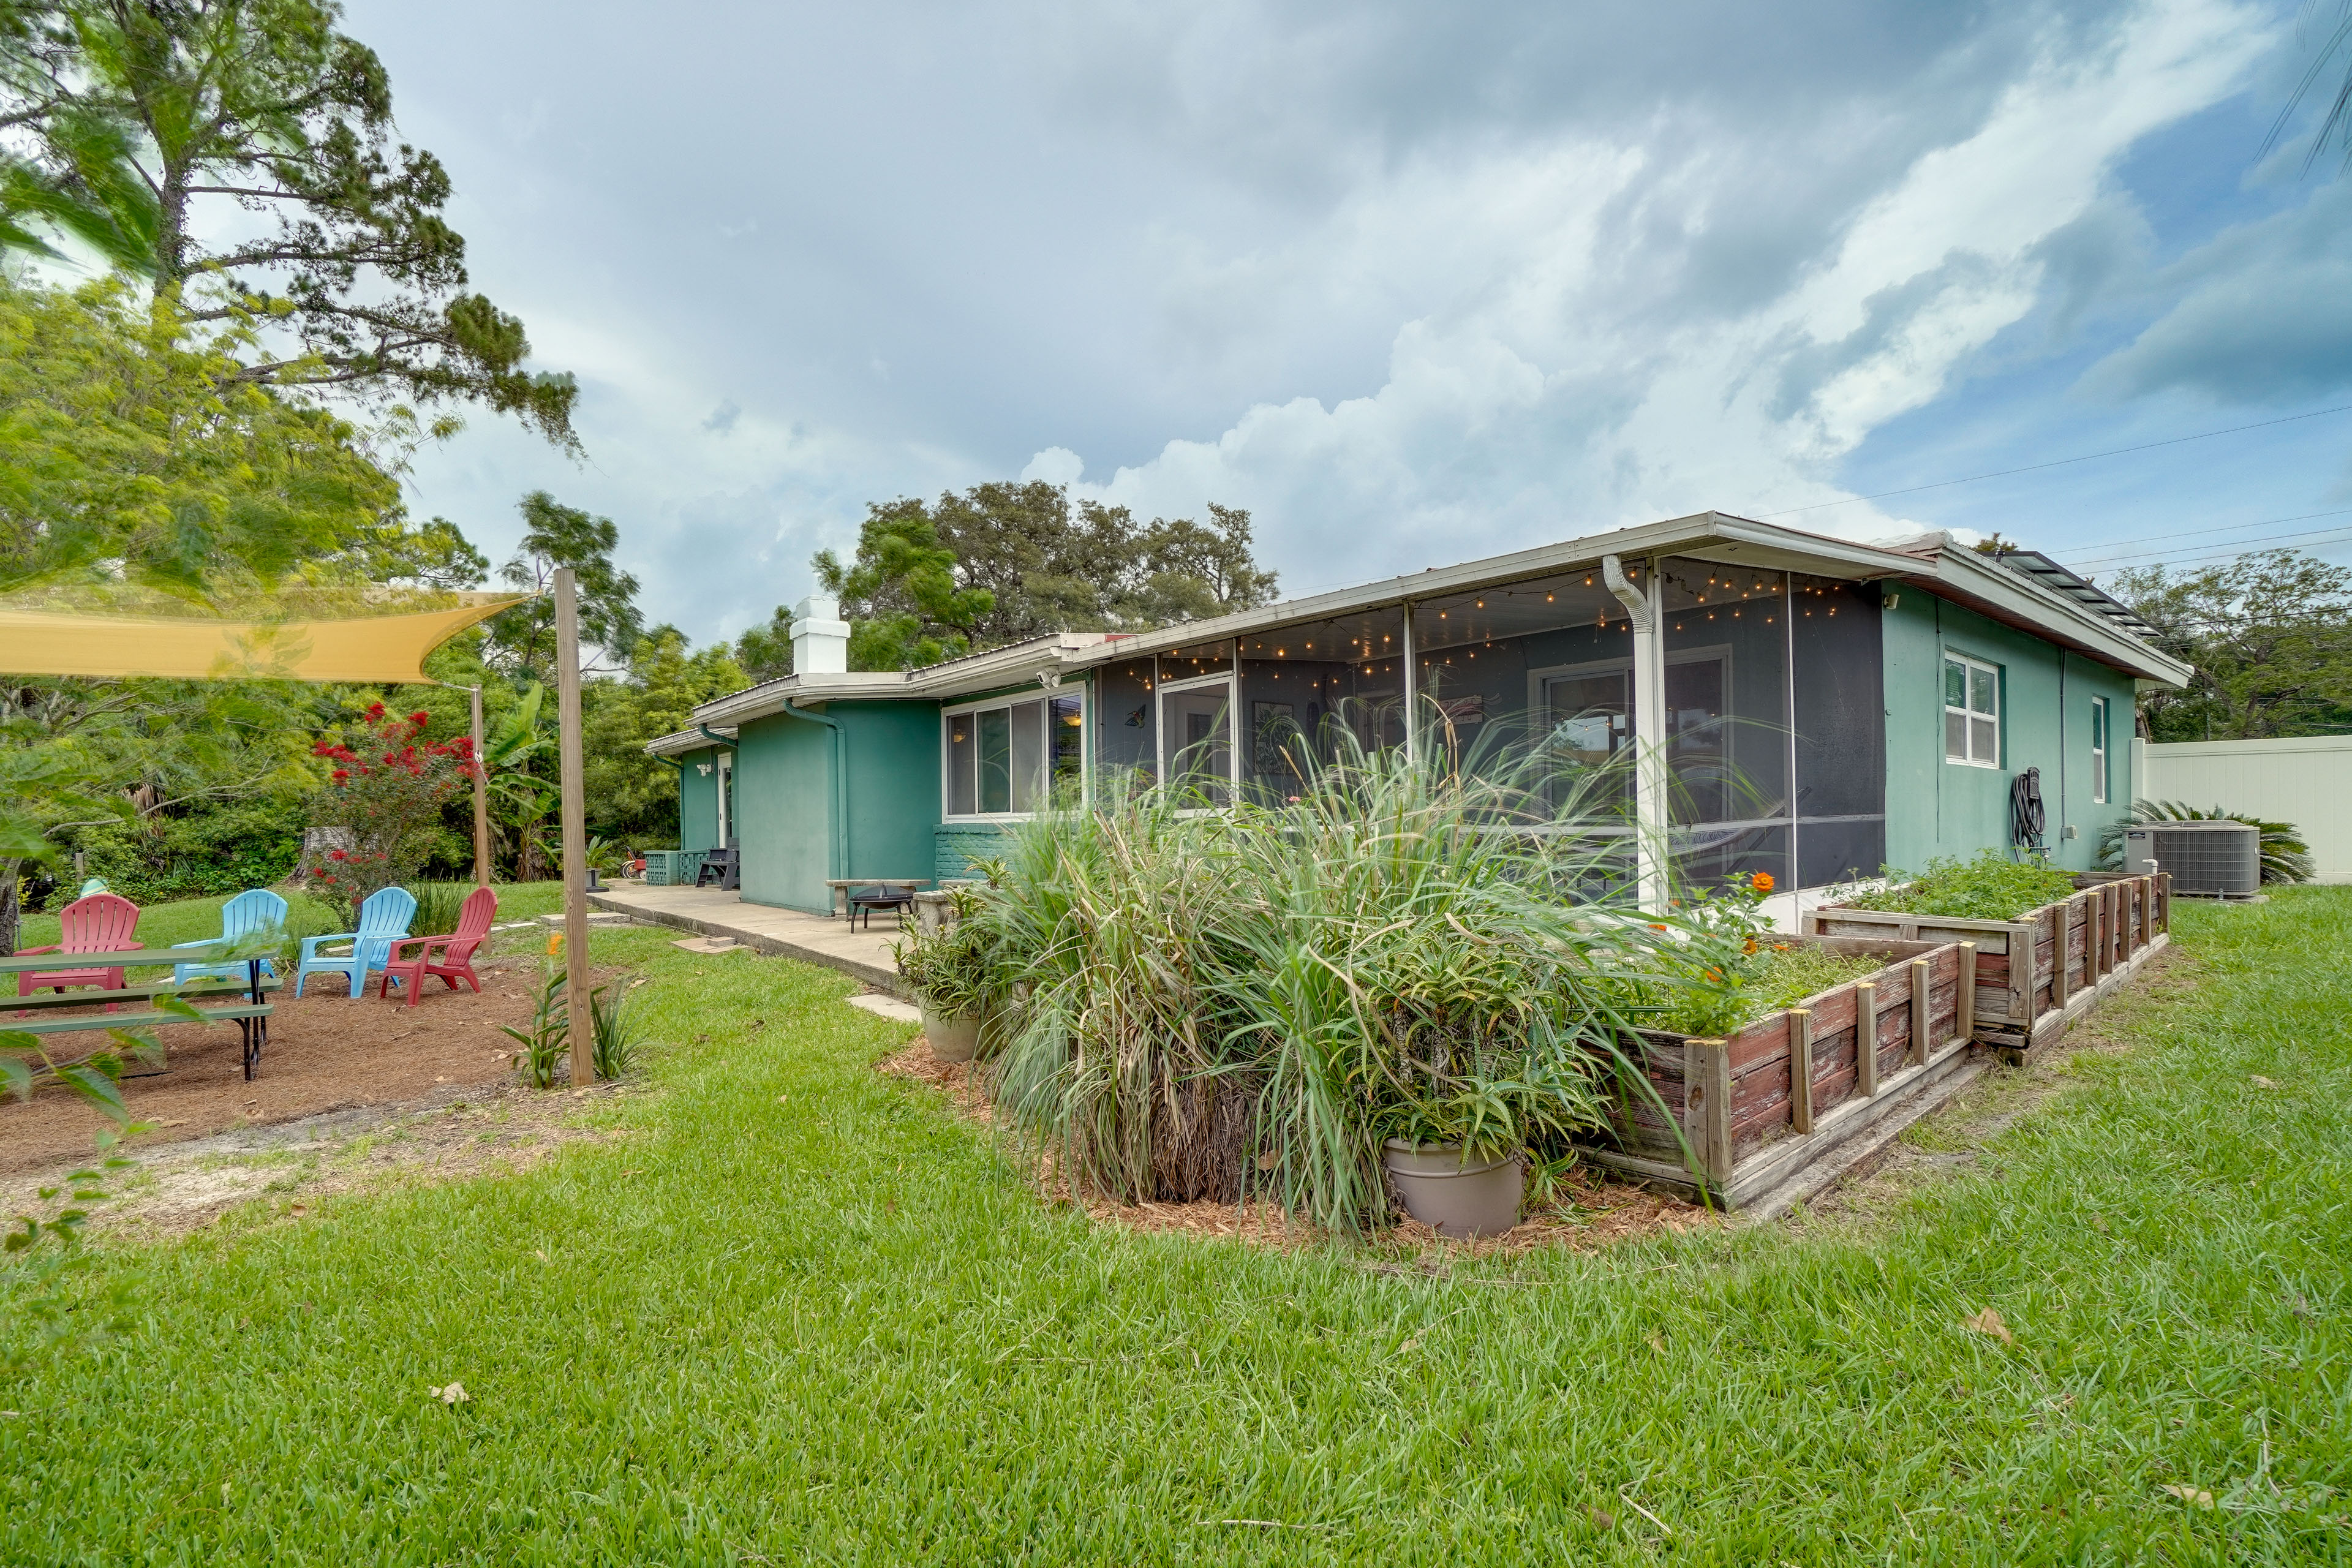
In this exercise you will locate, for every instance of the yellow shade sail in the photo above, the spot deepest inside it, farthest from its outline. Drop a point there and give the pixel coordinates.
(386, 649)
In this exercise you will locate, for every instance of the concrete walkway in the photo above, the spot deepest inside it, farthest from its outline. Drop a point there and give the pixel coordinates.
(811, 938)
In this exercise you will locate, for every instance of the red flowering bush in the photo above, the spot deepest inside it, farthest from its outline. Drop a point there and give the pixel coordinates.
(387, 787)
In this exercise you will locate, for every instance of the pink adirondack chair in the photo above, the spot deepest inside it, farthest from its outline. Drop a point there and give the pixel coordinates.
(102, 922)
(456, 950)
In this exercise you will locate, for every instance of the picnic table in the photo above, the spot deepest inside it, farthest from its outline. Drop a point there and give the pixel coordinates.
(251, 1014)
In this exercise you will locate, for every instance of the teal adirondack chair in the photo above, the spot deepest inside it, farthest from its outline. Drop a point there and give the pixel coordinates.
(384, 920)
(250, 913)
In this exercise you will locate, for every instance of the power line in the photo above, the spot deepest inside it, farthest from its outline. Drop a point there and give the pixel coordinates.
(2232, 553)
(2201, 532)
(2062, 462)
(2229, 544)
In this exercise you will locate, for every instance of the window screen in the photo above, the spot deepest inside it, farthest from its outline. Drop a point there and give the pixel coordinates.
(1971, 711)
(1006, 760)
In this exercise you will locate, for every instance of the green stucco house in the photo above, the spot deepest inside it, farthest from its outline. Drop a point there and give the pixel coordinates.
(1808, 706)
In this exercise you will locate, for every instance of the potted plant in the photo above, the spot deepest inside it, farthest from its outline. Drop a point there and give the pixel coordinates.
(1456, 1154)
(952, 972)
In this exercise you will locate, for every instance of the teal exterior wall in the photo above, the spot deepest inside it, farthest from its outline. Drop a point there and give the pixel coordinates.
(785, 800)
(1939, 808)
(697, 800)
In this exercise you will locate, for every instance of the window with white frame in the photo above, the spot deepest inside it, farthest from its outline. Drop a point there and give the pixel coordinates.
(1005, 757)
(2100, 720)
(1971, 711)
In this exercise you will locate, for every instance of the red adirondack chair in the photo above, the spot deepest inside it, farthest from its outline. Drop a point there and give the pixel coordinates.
(456, 949)
(102, 922)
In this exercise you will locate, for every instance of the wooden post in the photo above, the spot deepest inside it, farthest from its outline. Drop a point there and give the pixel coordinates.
(1964, 995)
(1923, 1023)
(1800, 1069)
(1866, 1038)
(2020, 977)
(481, 802)
(575, 828)
(1707, 1098)
(2061, 982)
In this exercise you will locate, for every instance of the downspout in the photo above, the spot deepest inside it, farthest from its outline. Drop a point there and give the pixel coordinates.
(1642, 608)
(837, 853)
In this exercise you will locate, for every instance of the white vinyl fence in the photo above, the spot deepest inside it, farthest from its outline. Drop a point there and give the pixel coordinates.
(2305, 781)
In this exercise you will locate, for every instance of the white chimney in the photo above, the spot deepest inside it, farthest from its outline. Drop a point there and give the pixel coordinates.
(820, 638)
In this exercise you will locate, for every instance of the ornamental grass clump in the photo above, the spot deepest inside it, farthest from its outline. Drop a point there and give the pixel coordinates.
(1253, 998)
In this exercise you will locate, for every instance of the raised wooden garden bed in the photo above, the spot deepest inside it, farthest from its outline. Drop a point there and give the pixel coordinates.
(2026, 997)
(1775, 1112)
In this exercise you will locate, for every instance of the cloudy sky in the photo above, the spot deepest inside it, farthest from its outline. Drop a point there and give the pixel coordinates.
(1412, 283)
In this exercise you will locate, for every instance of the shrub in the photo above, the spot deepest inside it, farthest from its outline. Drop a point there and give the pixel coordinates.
(1989, 888)
(1258, 996)
(388, 793)
(208, 852)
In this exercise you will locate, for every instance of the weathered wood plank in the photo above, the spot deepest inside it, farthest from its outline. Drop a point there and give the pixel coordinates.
(1966, 1007)
(1923, 1010)
(1801, 1069)
(1865, 1053)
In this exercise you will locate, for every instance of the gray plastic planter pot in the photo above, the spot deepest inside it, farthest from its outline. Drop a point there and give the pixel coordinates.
(952, 1039)
(1479, 1198)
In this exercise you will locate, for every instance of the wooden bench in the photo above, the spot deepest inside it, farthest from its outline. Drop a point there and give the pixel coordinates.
(251, 1014)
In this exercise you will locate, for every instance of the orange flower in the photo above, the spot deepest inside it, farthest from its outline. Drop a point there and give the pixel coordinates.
(1762, 881)
(1751, 945)
(554, 943)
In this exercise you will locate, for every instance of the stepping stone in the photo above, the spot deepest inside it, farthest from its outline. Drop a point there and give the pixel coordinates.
(595, 918)
(887, 1007)
(710, 944)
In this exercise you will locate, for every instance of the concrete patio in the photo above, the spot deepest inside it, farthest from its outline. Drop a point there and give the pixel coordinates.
(813, 939)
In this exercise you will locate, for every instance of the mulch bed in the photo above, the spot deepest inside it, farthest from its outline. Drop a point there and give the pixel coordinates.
(326, 1051)
(1592, 1211)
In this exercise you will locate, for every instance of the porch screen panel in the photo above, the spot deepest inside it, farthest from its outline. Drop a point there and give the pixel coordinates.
(1728, 722)
(1840, 720)
(1316, 691)
(1125, 750)
(1535, 676)
(1197, 740)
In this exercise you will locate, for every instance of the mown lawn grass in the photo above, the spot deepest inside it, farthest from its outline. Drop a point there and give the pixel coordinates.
(806, 1315)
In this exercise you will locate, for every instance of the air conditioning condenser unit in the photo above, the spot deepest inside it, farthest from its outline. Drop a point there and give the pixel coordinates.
(2217, 859)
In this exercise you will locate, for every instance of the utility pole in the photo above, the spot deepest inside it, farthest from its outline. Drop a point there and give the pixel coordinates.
(575, 829)
(481, 802)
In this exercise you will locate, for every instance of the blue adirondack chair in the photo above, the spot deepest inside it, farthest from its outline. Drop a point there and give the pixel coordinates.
(254, 910)
(384, 920)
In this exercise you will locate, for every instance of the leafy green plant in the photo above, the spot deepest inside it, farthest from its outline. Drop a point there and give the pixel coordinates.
(2287, 857)
(39, 1316)
(953, 972)
(619, 1033)
(1989, 887)
(547, 1042)
(438, 907)
(1780, 975)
